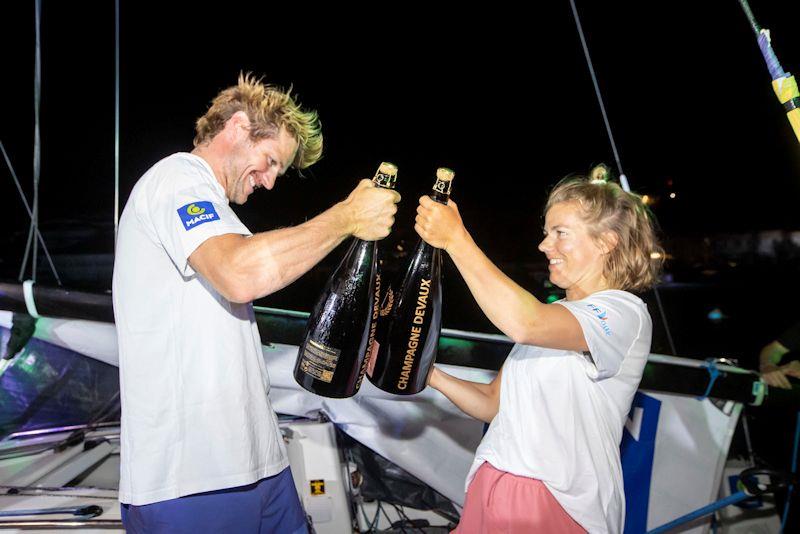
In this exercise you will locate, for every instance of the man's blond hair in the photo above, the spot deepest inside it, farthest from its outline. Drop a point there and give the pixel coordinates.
(269, 109)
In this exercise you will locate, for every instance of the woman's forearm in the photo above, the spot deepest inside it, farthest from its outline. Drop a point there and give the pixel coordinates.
(511, 308)
(481, 401)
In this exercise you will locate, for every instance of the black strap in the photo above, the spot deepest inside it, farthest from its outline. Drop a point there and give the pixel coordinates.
(794, 103)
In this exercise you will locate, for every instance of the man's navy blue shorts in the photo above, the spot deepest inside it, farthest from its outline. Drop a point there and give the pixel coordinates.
(268, 506)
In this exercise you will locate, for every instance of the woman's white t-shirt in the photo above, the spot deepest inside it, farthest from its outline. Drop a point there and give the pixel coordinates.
(562, 412)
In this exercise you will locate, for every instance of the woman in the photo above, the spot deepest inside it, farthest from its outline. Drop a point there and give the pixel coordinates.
(550, 459)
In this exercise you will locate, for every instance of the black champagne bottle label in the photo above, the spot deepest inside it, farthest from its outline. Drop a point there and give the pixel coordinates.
(319, 360)
(415, 332)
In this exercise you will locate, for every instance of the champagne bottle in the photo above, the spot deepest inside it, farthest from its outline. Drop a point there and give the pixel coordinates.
(406, 354)
(331, 361)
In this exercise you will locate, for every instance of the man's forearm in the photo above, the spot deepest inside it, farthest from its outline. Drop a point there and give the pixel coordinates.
(269, 261)
(243, 269)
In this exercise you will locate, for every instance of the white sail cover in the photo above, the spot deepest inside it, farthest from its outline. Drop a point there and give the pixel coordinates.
(673, 451)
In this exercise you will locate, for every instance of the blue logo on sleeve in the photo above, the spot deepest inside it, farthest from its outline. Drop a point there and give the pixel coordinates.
(197, 213)
(602, 315)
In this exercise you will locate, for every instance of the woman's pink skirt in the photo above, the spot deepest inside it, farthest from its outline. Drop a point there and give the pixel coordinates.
(499, 502)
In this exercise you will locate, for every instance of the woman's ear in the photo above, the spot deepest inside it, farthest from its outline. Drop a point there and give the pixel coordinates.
(608, 241)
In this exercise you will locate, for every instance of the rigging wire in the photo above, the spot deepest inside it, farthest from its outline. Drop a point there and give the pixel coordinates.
(33, 232)
(30, 213)
(622, 178)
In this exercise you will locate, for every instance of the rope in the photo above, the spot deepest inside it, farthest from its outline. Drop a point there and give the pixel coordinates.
(623, 180)
(750, 17)
(663, 314)
(713, 374)
(37, 145)
(783, 83)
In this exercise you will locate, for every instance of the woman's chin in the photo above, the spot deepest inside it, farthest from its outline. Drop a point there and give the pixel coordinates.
(560, 284)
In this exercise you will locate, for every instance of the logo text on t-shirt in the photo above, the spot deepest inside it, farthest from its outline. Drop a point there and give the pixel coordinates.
(602, 315)
(197, 213)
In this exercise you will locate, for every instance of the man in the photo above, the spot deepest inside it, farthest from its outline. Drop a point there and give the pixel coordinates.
(201, 448)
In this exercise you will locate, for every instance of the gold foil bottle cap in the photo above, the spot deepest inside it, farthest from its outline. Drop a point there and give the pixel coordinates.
(387, 168)
(386, 175)
(443, 173)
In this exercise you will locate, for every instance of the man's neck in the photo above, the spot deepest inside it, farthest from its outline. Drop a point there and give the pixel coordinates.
(208, 154)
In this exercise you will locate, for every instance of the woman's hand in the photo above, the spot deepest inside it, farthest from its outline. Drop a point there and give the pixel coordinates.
(438, 224)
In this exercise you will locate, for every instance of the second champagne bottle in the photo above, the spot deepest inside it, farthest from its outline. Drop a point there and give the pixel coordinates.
(408, 348)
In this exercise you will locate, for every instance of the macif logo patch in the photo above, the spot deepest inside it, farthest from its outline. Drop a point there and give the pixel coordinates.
(197, 213)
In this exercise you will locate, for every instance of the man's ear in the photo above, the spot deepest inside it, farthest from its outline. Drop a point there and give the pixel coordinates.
(608, 241)
(237, 126)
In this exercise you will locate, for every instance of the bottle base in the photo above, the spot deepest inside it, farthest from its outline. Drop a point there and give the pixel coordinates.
(322, 392)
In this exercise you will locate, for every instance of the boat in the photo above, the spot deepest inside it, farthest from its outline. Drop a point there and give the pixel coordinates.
(354, 460)
(372, 463)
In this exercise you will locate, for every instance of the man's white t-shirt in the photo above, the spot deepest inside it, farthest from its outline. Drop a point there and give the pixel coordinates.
(562, 412)
(196, 414)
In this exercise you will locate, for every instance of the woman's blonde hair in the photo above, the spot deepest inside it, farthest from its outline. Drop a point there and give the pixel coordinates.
(635, 262)
(268, 108)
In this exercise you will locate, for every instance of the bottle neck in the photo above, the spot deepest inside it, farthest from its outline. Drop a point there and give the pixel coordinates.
(441, 190)
(385, 181)
(439, 197)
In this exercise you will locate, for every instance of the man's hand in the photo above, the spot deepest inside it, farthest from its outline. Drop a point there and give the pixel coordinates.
(371, 210)
(777, 376)
(438, 224)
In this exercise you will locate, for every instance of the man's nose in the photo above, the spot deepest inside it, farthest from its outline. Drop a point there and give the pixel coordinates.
(268, 179)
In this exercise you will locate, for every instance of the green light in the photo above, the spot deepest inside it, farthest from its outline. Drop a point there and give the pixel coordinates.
(456, 343)
(552, 297)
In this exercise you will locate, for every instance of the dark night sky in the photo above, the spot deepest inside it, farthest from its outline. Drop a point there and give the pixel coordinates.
(501, 96)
